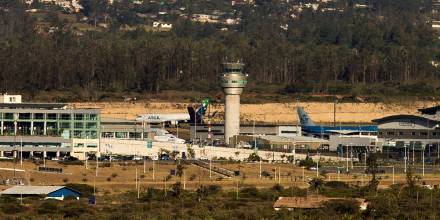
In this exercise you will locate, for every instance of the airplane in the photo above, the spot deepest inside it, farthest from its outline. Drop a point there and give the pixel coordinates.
(309, 127)
(193, 116)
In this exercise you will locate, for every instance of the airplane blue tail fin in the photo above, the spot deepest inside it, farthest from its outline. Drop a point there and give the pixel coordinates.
(304, 118)
(196, 116)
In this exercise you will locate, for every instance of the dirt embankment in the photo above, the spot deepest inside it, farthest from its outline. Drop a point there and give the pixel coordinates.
(284, 113)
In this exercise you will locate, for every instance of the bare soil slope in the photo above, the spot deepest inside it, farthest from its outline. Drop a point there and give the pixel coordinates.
(283, 113)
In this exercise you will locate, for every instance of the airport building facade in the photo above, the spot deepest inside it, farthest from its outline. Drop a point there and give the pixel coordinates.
(408, 130)
(46, 128)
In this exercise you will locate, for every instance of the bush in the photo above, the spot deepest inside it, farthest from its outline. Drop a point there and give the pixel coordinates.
(337, 185)
(84, 189)
(250, 191)
(65, 180)
(48, 207)
(308, 162)
(341, 206)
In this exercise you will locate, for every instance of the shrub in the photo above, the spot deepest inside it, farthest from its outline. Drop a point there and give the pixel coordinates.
(341, 206)
(48, 207)
(84, 189)
(250, 191)
(109, 179)
(114, 175)
(65, 180)
(336, 185)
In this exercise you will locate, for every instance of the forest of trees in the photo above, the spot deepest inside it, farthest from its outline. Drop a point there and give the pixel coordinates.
(387, 49)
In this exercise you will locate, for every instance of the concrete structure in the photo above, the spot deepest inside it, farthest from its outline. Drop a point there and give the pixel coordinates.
(282, 144)
(218, 131)
(362, 141)
(423, 129)
(233, 82)
(5, 98)
(51, 192)
(142, 148)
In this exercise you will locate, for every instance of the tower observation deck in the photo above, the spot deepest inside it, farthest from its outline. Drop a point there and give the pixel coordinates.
(233, 82)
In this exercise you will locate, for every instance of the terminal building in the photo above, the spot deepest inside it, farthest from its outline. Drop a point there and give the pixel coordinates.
(409, 130)
(49, 129)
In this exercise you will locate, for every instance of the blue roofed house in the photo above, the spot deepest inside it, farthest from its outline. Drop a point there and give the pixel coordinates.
(50, 192)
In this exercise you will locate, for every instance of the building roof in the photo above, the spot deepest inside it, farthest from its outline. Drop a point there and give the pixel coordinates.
(31, 190)
(414, 117)
(347, 131)
(430, 111)
(33, 105)
(276, 138)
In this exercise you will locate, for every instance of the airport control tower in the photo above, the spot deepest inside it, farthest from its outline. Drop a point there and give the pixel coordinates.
(233, 82)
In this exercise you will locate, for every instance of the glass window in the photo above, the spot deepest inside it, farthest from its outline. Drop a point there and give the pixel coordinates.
(92, 145)
(93, 117)
(79, 125)
(24, 116)
(51, 116)
(121, 134)
(135, 135)
(94, 134)
(91, 125)
(79, 145)
(413, 133)
(79, 116)
(423, 133)
(65, 116)
(9, 115)
(107, 135)
(400, 133)
(38, 116)
(78, 134)
(65, 125)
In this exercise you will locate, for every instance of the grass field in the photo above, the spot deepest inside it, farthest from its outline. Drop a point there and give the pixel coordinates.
(120, 176)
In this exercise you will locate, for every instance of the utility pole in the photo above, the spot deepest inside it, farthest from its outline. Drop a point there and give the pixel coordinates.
(260, 168)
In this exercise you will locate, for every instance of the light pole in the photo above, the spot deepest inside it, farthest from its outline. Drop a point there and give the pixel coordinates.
(346, 146)
(351, 155)
(405, 146)
(423, 161)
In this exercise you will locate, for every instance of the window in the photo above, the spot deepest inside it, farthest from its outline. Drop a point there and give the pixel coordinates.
(423, 133)
(434, 133)
(400, 133)
(91, 117)
(78, 134)
(92, 145)
(79, 145)
(391, 133)
(107, 135)
(121, 134)
(79, 116)
(65, 125)
(380, 133)
(413, 133)
(135, 135)
(52, 116)
(24, 116)
(65, 117)
(38, 116)
(79, 125)
(91, 125)
(8, 116)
